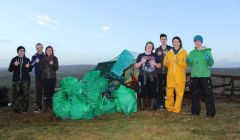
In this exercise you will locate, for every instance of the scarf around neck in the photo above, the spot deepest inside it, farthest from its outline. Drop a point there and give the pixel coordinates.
(48, 58)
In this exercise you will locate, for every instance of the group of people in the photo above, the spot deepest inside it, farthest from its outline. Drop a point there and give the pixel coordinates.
(163, 75)
(45, 66)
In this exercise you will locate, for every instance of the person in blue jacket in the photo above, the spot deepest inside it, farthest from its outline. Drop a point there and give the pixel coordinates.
(36, 64)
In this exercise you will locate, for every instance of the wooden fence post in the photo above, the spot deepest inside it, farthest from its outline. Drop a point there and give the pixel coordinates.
(232, 87)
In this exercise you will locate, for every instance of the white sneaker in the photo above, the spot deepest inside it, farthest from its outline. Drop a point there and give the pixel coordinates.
(37, 110)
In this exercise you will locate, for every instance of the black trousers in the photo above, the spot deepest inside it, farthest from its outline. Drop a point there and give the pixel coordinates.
(161, 89)
(39, 91)
(202, 87)
(49, 89)
(148, 90)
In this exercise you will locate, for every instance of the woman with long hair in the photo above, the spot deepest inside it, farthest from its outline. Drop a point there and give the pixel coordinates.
(175, 61)
(49, 67)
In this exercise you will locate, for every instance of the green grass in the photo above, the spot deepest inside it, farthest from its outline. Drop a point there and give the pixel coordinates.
(141, 125)
(144, 125)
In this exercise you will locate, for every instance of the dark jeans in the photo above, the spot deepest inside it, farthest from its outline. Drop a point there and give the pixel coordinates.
(39, 91)
(148, 90)
(20, 95)
(49, 89)
(161, 89)
(199, 87)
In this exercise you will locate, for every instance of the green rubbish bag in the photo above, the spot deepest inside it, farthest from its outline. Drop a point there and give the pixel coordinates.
(80, 110)
(94, 80)
(100, 83)
(61, 105)
(79, 91)
(105, 106)
(118, 105)
(91, 76)
(127, 99)
(93, 96)
(68, 85)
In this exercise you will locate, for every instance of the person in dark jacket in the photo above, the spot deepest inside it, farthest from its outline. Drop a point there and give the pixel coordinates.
(162, 72)
(147, 63)
(20, 66)
(36, 64)
(49, 66)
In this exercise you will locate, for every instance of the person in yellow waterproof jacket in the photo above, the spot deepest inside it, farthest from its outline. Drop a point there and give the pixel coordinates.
(175, 61)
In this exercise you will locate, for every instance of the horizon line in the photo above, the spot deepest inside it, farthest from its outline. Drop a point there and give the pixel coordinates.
(96, 65)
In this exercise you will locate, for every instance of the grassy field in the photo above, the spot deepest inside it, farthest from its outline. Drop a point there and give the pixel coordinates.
(144, 125)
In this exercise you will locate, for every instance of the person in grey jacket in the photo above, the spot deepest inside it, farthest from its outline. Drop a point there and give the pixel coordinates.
(49, 66)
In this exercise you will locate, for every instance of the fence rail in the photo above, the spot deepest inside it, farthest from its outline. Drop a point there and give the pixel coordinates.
(233, 83)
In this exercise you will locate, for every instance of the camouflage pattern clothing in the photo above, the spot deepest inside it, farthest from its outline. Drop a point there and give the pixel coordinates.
(20, 96)
(20, 83)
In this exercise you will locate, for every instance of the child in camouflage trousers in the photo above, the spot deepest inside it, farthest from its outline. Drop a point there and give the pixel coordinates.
(20, 66)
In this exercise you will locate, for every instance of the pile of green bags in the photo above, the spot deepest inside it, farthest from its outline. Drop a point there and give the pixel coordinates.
(82, 99)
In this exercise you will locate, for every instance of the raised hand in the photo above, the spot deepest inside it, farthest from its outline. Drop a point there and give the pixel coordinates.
(153, 63)
(159, 53)
(51, 62)
(27, 65)
(16, 63)
(143, 60)
(187, 60)
(37, 60)
(207, 56)
(176, 60)
(166, 59)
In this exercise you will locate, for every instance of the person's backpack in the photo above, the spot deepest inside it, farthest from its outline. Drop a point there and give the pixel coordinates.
(3, 96)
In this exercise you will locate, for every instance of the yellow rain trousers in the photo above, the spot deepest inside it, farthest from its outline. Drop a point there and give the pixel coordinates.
(176, 79)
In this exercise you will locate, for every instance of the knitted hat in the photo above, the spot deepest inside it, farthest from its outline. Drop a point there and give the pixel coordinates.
(198, 38)
(20, 47)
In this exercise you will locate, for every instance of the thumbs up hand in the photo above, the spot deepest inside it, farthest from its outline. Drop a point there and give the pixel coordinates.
(27, 65)
(37, 60)
(187, 60)
(166, 59)
(153, 63)
(207, 57)
(143, 60)
(16, 63)
(51, 62)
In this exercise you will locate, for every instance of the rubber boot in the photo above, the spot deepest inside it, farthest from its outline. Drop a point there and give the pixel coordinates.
(153, 103)
(45, 102)
(141, 104)
(50, 103)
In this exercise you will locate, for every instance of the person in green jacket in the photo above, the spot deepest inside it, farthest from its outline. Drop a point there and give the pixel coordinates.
(200, 60)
